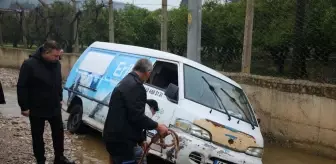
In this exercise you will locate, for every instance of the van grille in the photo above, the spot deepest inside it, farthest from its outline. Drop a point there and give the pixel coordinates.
(224, 161)
(196, 157)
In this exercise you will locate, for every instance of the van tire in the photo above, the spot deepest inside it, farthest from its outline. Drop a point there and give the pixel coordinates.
(75, 123)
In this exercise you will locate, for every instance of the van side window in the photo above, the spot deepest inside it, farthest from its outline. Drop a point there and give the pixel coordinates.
(163, 74)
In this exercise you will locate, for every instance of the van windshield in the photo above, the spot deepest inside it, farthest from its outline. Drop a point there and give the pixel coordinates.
(234, 99)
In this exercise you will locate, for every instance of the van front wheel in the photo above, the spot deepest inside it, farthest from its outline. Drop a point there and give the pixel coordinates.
(75, 123)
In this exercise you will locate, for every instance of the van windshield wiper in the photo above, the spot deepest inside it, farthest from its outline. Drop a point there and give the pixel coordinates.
(235, 101)
(212, 89)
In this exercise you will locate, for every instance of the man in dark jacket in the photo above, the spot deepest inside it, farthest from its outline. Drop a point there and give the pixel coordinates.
(126, 119)
(2, 95)
(39, 92)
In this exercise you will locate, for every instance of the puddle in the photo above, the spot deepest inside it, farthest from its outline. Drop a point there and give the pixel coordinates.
(92, 149)
(275, 154)
(11, 108)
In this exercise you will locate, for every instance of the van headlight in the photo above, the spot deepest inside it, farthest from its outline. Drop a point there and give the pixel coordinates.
(255, 151)
(192, 129)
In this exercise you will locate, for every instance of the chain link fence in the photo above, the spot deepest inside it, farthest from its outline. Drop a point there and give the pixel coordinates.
(223, 34)
(295, 39)
(291, 38)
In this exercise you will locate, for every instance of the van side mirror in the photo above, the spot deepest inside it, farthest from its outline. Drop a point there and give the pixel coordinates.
(172, 93)
(258, 119)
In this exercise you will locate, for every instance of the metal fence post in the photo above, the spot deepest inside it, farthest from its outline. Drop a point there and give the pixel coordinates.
(247, 47)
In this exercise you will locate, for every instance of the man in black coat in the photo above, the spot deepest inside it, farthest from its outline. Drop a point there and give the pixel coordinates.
(2, 95)
(39, 92)
(126, 120)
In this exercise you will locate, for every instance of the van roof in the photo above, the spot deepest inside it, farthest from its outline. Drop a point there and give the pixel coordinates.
(160, 54)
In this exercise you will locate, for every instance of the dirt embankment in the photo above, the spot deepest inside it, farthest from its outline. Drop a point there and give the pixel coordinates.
(16, 144)
(8, 77)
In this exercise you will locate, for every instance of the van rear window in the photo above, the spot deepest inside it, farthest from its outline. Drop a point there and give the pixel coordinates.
(96, 62)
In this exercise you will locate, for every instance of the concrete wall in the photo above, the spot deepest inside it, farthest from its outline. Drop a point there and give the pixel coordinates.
(301, 112)
(13, 58)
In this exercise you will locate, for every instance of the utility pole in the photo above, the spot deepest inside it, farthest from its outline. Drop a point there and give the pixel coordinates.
(46, 8)
(164, 26)
(298, 69)
(194, 30)
(111, 22)
(247, 48)
(75, 26)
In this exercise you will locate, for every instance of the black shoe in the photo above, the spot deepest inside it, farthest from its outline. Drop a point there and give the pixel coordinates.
(40, 162)
(63, 160)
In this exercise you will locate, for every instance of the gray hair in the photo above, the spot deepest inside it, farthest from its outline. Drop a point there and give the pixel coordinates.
(143, 65)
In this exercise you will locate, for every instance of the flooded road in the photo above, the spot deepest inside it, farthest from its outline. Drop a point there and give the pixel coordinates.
(94, 152)
(90, 148)
(275, 154)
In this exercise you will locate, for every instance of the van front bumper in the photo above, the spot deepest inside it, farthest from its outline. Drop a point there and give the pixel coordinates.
(194, 150)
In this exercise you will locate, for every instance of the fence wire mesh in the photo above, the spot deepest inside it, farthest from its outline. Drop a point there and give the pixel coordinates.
(291, 38)
(296, 39)
(223, 34)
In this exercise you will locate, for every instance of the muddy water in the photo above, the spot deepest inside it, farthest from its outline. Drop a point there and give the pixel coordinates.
(91, 149)
(94, 152)
(278, 155)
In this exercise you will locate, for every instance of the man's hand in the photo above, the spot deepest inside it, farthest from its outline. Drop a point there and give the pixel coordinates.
(162, 129)
(25, 113)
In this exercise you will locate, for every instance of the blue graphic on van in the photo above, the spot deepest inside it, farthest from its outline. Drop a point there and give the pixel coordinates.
(94, 76)
(231, 129)
(231, 136)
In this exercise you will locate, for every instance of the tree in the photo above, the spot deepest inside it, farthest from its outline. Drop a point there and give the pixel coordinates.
(280, 26)
(321, 30)
(94, 23)
(62, 17)
(36, 26)
(222, 32)
(137, 26)
(11, 26)
(177, 30)
(273, 29)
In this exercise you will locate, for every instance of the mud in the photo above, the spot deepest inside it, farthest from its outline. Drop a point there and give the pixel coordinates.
(15, 142)
(8, 77)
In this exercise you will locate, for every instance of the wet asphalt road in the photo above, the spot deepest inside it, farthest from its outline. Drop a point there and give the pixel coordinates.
(93, 151)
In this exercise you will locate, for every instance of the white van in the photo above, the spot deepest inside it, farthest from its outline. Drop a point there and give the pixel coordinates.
(210, 112)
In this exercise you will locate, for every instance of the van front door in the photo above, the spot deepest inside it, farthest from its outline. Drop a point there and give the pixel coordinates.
(163, 74)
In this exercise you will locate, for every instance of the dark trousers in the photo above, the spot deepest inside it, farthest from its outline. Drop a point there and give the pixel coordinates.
(2, 96)
(122, 160)
(37, 129)
(121, 152)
